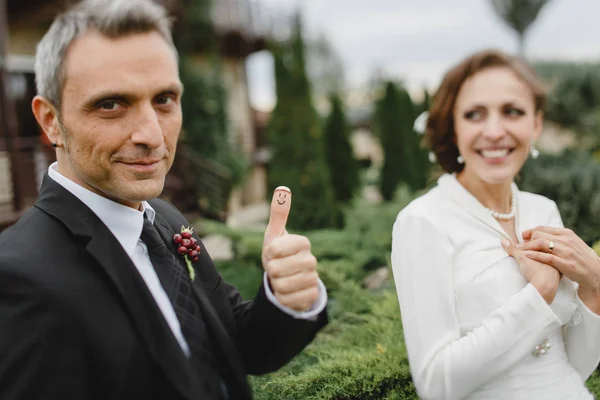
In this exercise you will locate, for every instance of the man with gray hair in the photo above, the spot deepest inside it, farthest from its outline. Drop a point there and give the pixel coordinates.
(104, 291)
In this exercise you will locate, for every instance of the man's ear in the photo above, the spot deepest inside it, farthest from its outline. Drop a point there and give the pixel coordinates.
(47, 117)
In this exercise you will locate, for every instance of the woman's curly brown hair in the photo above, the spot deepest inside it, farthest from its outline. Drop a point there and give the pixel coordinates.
(439, 134)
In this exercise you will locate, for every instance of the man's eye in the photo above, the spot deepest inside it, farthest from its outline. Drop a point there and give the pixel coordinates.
(109, 105)
(162, 100)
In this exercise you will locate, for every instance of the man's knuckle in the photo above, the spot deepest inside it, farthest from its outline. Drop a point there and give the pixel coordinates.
(273, 268)
(314, 278)
(284, 299)
(305, 242)
(311, 261)
(284, 287)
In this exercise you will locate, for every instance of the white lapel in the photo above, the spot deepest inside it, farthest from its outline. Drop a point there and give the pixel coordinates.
(456, 192)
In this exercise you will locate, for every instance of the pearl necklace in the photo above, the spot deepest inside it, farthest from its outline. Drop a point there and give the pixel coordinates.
(513, 209)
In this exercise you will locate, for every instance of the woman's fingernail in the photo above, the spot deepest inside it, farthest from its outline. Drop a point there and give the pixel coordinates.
(505, 243)
(519, 246)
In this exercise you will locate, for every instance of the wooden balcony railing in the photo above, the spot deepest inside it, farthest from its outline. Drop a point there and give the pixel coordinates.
(198, 185)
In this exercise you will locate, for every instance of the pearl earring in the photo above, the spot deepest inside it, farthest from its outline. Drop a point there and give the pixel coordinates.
(460, 159)
(432, 157)
(535, 153)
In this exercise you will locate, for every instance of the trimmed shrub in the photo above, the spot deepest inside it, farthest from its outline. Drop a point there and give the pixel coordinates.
(572, 180)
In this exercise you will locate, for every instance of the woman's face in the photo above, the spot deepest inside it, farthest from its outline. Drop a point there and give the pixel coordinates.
(495, 123)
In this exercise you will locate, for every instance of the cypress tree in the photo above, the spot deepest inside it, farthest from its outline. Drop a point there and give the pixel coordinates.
(389, 124)
(404, 158)
(296, 138)
(424, 105)
(340, 157)
(416, 160)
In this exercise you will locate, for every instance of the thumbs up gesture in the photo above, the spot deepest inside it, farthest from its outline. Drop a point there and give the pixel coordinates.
(287, 259)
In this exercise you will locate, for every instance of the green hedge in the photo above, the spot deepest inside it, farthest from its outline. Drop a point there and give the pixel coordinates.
(572, 180)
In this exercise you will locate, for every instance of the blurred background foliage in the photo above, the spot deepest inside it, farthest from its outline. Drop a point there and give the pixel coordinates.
(574, 99)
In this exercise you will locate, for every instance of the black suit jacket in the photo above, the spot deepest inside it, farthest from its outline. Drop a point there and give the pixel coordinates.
(78, 322)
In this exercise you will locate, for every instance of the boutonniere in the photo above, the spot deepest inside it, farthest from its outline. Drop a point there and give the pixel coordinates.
(188, 248)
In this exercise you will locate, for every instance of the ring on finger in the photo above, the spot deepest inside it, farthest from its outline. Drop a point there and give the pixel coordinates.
(550, 245)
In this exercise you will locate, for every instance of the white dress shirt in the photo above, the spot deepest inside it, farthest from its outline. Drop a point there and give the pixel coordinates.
(471, 321)
(126, 224)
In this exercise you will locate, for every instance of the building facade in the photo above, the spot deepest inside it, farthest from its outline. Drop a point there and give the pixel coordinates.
(241, 27)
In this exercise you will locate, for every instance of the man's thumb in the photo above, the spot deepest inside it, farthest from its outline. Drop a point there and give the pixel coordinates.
(280, 209)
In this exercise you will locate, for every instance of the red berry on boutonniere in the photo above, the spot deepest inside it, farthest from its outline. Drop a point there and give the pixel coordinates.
(188, 247)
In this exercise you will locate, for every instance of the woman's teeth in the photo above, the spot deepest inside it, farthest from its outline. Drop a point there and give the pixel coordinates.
(494, 153)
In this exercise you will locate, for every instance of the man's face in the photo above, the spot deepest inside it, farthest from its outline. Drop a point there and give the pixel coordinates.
(120, 115)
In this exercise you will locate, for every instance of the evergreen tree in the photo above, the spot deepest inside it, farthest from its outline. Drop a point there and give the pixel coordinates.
(295, 134)
(425, 104)
(339, 153)
(389, 125)
(417, 159)
(519, 15)
(205, 148)
(404, 158)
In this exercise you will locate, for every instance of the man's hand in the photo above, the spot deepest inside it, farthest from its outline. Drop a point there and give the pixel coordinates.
(287, 259)
(543, 277)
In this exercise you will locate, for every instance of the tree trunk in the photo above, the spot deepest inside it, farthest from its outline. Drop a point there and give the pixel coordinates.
(522, 45)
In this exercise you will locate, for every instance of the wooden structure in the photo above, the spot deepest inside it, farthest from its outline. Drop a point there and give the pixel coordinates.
(240, 27)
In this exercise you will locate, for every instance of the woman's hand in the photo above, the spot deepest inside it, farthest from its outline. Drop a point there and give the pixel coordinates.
(543, 277)
(562, 249)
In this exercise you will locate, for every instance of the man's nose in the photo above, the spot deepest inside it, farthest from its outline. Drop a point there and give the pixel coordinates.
(148, 131)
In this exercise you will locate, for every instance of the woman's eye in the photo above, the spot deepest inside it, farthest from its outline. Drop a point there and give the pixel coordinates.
(474, 115)
(513, 112)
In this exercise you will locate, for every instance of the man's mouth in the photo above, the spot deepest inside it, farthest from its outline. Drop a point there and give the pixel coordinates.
(142, 162)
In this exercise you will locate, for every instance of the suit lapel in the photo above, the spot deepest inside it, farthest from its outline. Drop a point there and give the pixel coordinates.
(145, 313)
(233, 370)
(139, 303)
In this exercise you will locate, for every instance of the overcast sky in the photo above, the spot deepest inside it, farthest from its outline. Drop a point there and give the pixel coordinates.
(417, 40)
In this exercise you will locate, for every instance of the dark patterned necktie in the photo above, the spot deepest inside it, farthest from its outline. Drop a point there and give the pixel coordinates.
(178, 286)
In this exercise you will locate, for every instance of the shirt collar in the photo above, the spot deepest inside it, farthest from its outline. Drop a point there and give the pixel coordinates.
(125, 223)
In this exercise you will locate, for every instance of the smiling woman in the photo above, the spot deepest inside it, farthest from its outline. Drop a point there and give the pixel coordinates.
(479, 264)
(440, 132)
